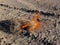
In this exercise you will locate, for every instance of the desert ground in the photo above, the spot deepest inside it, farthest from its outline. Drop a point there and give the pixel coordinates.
(29, 22)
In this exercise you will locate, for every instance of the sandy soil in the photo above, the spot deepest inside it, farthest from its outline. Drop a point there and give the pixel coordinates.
(14, 13)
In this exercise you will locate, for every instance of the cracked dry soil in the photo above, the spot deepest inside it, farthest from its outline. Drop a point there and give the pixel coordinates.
(25, 13)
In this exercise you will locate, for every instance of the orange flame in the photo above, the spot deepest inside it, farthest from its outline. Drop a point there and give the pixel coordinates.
(34, 24)
(25, 25)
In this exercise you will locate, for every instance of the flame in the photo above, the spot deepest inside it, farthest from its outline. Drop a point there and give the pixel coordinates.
(34, 25)
(25, 25)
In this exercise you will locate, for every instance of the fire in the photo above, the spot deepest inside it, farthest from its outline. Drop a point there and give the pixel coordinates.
(34, 23)
(25, 25)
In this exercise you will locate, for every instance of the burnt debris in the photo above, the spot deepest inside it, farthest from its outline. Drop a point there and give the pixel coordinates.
(25, 33)
(47, 13)
(5, 5)
(6, 26)
(45, 42)
(29, 11)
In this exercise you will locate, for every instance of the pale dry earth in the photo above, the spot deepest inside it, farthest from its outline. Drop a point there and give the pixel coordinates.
(16, 10)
